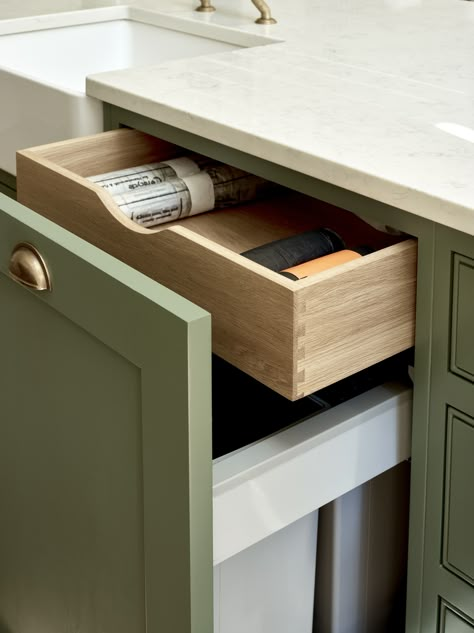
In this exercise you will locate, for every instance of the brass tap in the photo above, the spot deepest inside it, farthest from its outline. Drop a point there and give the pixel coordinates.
(265, 13)
(205, 7)
(262, 6)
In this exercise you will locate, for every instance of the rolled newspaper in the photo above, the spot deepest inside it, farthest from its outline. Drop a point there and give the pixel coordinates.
(217, 186)
(143, 176)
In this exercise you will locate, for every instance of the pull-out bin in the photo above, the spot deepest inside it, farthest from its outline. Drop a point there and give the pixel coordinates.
(266, 498)
(294, 337)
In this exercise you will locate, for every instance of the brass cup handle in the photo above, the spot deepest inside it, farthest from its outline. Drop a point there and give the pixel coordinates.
(28, 268)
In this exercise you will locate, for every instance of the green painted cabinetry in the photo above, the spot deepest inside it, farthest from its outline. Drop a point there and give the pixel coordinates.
(458, 529)
(105, 447)
(452, 622)
(7, 184)
(462, 317)
(448, 573)
(105, 422)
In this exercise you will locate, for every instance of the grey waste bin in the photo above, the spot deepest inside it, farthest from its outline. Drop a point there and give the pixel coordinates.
(362, 554)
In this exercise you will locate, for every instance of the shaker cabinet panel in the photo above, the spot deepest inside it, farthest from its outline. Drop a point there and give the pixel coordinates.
(462, 334)
(72, 537)
(105, 420)
(452, 622)
(459, 506)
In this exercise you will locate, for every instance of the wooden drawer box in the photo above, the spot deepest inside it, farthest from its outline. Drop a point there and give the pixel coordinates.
(296, 337)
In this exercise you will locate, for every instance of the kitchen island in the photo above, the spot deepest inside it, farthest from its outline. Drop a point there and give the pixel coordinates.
(367, 107)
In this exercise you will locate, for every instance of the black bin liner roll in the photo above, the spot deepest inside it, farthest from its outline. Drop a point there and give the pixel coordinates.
(294, 250)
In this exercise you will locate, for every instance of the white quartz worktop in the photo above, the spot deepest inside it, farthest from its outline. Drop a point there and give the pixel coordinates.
(373, 96)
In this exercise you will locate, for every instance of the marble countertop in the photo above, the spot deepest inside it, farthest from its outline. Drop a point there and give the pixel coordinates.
(375, 96)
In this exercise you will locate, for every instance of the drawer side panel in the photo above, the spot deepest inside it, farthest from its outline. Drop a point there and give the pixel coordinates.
(253, 317)
(354, 319)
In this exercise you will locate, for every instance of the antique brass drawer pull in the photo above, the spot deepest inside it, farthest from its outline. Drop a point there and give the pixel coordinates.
(28, 268)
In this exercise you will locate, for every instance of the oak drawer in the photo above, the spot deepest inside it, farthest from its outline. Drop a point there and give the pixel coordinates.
(295, 337)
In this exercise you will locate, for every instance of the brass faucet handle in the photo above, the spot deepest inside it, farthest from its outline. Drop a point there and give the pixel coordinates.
(205, 7)
(265, 13)
(262, 6)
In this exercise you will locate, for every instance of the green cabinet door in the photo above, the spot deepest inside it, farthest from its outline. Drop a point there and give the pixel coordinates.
(448, 577)
(105, 445)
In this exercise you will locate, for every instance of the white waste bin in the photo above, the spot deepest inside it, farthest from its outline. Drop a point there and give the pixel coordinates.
(269, 587)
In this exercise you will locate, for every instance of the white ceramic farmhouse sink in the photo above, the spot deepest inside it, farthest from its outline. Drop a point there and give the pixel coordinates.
(44, 63)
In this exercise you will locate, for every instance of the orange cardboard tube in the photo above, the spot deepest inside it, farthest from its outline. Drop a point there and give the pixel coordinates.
(315, 266)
